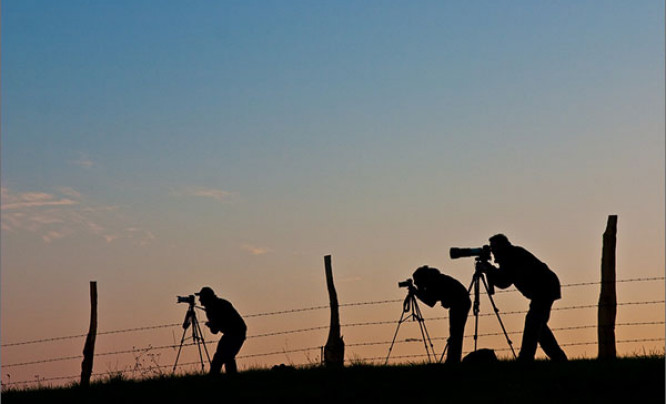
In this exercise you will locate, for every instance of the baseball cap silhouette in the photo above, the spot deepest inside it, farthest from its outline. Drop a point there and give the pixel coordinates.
(206, 292)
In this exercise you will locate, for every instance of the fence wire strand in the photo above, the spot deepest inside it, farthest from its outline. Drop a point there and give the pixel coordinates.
(139, 351)
(73, 378)
(136, 350)
(298, 310)
(150, 348)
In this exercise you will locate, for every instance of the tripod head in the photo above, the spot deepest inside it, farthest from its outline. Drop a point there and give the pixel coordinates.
(189, 315)
(409, 285)
(480, 265)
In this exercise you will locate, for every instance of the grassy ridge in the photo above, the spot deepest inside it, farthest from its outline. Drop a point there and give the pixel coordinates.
(633, 380)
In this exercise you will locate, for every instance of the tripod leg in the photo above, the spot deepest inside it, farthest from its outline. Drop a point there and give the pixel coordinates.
(200, 341)
(203, 342)
(416, 313)
(446, 347)
(476, 309)
(402, 316)
(179, 349)
(196, 338)
(423, 336)
(499, 319)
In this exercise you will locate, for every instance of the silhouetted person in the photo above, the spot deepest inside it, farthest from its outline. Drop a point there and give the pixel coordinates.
(536, 282)
(222, 317)
(432, 286)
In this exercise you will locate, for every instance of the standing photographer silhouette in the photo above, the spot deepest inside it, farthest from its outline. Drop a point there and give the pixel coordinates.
(431, 286)
(223, 317)
(536, 282)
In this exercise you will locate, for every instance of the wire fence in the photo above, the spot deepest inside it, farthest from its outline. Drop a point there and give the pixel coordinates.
(306, 309)
(155, 368)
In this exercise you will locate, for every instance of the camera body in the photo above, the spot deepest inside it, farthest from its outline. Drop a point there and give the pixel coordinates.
(409, 283)
(481, 253)
(186, 299)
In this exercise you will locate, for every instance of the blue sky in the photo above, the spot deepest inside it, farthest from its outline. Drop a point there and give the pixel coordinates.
(159, 146)
(220, 96)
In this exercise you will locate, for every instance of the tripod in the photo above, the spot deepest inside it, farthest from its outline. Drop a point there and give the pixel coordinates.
(197, 336)
(477, 279)
(410, 305)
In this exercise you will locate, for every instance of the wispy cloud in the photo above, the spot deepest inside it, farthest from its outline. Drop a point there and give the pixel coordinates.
(53, 235)
(71, 192)
(83, 161)
(55, 216)
(211, 193)
(254, 250)
(11, 201)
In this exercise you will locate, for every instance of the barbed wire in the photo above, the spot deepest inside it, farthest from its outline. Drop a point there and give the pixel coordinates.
(271, 334)
(468, 336)
(280, 352)
(407, 340)
(298, 310)
(315, 328)
(289, 311)
(135, 350)
(152, 327)
(387, 322)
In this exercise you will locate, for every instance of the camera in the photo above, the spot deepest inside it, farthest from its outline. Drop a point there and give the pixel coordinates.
(186, 299)
(481, 253)
(406, 283)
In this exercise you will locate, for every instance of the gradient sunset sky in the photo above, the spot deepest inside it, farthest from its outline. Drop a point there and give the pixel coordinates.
(159, 146)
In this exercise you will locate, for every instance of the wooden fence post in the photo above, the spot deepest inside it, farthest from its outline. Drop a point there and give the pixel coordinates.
(334, 351)
(89, 347)
(608, 299)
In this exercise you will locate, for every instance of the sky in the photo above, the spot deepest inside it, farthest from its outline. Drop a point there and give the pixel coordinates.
(157, 147)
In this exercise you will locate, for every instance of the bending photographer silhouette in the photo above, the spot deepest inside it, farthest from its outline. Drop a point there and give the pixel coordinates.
(536, 282)
(223, 317)
(431, 286)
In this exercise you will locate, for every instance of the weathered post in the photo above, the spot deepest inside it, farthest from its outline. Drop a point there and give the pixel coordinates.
(89, 347)
(608, 299)
(334, 351)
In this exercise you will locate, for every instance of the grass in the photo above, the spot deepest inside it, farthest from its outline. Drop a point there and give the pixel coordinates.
(639, 379)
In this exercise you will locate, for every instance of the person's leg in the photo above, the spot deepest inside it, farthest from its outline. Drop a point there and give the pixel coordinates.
(457, 319)
(230, 345)
(549, 343)
(535, 321)
(230, 366)
(216, 363)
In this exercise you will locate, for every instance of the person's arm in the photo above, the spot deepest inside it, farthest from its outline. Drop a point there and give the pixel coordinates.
(425, 296)
(212, 328)
(496, 276)
(212, 322)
